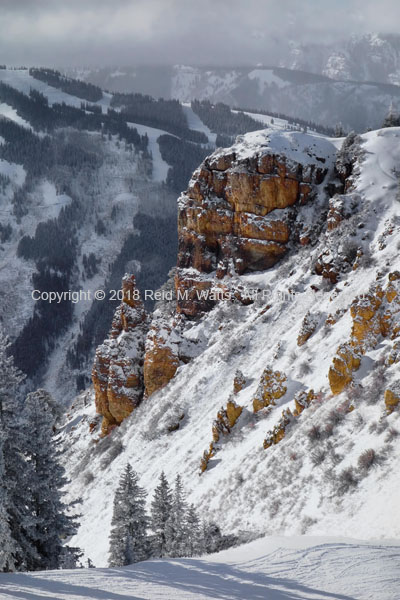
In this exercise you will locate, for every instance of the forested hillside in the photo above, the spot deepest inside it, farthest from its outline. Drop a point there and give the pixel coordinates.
(74, 173)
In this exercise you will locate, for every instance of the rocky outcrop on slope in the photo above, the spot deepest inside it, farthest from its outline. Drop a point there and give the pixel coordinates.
(118, 367)
(271, 388)
(375, 315)
(239, 214)
(222, 426)
(161, 356)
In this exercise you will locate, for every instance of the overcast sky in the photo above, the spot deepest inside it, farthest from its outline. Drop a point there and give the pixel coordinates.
(95, 32)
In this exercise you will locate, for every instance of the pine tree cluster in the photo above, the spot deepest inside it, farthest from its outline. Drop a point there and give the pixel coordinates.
(172, 529)
(33, 518)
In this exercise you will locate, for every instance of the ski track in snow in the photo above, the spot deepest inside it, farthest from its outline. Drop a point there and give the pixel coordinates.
(197, 124)
(266, 569)
(10, 113)
(160, 167)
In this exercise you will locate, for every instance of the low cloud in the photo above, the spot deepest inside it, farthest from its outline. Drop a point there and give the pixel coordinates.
(96, 32)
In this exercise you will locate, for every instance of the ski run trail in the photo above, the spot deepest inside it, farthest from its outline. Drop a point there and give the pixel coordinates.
(272, 568)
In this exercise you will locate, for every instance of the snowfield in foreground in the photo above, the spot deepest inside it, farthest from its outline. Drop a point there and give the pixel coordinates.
(274, 568)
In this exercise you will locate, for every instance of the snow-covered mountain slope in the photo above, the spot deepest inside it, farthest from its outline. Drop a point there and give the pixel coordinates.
(21, 80)
(110, 188)
(332, 468)
(306, 92)
(370, 57)
(356, 105)
(10, 113)
(273, 568)
(103, 178)
(197, 124)
(160, 167)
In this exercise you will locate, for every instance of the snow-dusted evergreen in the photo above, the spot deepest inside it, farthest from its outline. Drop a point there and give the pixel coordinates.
(33, 520)
(392, 118)
(8, 545)
(176, 530)
(51, 522)
(161, 507)
(194, 542)
(129, 541)
(17, 471)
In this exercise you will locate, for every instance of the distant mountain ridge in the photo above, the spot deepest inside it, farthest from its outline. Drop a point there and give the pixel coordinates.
(371, 57)
(314, 89)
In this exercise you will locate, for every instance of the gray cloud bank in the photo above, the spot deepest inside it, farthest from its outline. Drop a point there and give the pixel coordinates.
(105, 32)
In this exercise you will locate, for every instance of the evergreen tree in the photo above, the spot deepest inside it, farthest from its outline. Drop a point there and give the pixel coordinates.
(392, 118)
(7, 545)
(194, 538)
(339, 131)
(214, 540)
(175, 530)
(160, 512)
(16, 471)
(128, 537)
(32, 516)
(50, 521)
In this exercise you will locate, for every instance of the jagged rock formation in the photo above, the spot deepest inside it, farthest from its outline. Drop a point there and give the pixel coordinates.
(239, 214)
(278, 432)
(346, 361)
(161, 356)
(375, 315)
(308, 327)
(118, 367)
(239, 382)
(222, 426)
(303, 400)
(392, 399)
(244, 209)
(271, 388)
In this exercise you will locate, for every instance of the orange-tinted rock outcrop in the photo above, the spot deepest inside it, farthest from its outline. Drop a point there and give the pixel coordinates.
(392, 399)
(375, 315)
(161, 357)
(118, 367)
(238, 215)
(222, 426)
(271, 387)
(278, 432)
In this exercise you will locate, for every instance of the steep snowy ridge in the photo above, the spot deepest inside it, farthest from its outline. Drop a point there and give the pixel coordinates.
(333, 465)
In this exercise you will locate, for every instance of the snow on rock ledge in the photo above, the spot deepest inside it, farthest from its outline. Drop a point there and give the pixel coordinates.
(242, 208)
(118, 367)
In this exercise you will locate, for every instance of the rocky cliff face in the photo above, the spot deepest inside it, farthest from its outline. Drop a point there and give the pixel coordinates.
(118, 367)
(308, 441)
(241, 213)
(244, 209)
